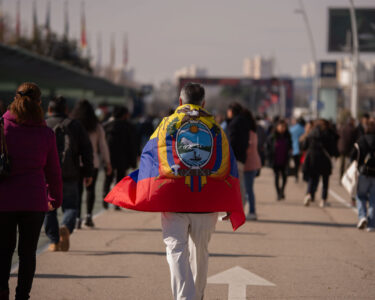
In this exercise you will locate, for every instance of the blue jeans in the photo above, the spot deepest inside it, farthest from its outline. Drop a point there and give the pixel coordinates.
(249, 185)
(366, 192)
(70, 210)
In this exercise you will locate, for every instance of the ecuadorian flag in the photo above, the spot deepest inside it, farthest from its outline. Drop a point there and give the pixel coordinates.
(186, 166)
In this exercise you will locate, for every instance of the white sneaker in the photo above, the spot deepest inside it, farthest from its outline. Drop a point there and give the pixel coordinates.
(322, 204)
(251, 217)
(362, 223)
(307, 200)
(370, 229)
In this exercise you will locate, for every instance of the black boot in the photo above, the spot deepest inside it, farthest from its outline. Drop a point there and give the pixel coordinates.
(89, 222)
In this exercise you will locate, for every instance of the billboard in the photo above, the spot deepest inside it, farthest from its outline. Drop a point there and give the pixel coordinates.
(340, 29)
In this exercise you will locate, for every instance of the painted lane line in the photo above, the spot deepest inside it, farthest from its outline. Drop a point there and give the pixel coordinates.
(342, 200)
(237, 279)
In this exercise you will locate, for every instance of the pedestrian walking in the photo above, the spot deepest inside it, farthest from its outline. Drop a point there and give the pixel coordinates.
(262, 139)
(252, 164)
(238, 136)
(279, 145)
(188, 173)
(347, 138)
(122, 147)
(296, 131)
(85, 114)
(73, 147)
(362, 126)
(321, 145)
(366, 179)
(24, 197)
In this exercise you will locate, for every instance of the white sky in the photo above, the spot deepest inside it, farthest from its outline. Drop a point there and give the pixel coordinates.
(165, 35)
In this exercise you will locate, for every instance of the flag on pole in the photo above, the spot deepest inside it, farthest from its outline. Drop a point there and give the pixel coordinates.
(48, 18)
(186, 166)
(66, 19)
(125, 52)
(112, 58)
(83, 27)
(18, 20)
(99, 53)
(35, 22)
(2, 29)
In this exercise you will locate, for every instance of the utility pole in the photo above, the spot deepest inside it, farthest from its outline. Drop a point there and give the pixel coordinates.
(315, 87)
(355, 60)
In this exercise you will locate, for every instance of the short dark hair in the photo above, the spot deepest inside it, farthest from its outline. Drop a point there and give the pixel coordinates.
(192, 93)
(57, 105)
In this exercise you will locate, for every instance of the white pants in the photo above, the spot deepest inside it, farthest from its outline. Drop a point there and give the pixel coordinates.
(186, 237)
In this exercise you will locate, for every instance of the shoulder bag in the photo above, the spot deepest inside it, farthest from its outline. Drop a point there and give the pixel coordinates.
(350, 178)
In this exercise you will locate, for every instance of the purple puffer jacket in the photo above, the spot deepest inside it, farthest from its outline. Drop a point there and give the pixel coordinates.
(35, 169)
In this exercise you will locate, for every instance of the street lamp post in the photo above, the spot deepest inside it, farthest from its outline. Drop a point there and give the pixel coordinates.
(302, 11)
(355, 59)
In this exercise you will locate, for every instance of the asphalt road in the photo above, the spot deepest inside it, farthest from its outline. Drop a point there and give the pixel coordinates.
(291, 252)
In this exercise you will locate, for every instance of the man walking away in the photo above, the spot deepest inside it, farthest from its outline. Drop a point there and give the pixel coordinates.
(188, 172)
(73, 145)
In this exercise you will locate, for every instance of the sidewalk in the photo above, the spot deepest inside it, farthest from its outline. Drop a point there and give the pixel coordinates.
(305, 252)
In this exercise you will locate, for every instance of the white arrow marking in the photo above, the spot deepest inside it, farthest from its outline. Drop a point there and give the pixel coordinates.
(238, 278)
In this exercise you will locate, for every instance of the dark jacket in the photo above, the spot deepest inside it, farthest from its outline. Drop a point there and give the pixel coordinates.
(35, 177)
(238, 136)
(82, 144)
(366, 145)
(122, 143)
(348, 136)
(321, 146)
(270, 148)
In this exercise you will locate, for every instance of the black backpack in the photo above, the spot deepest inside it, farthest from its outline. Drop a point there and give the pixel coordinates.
(368, 167)
(66, 149)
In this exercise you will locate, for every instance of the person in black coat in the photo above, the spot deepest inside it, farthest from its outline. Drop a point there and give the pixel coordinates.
(321, 145)
(279, 146)
(120, 135)
(238, 137)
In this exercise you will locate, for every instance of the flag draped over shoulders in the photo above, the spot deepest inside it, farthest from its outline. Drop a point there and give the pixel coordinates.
(186, 166)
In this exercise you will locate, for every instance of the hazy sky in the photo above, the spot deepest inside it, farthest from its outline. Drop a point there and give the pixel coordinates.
(165, 35)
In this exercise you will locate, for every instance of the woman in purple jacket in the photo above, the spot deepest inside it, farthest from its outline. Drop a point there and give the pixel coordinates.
(33, 187)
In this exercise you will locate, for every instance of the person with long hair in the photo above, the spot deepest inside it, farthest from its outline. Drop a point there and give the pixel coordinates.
(84, 112)
(279, 146)
(321, 145)
(252, 164)
(24, 197)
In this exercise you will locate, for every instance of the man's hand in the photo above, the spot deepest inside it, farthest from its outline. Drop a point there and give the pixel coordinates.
(87, 181)
(108, 169)
(226, 217)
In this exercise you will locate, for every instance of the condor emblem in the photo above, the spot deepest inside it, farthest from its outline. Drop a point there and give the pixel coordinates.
(194, 144)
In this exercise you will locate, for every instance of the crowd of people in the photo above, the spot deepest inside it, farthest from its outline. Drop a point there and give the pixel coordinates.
(295, 147)
(55, 159)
